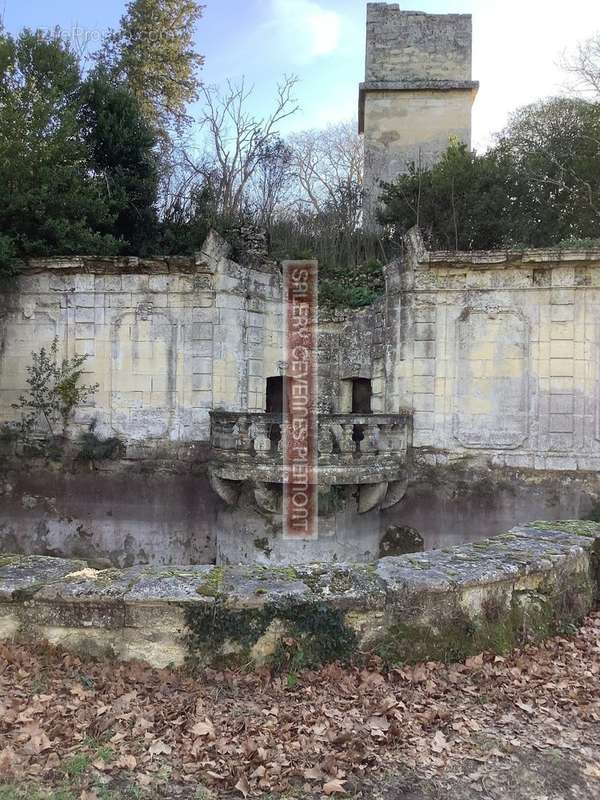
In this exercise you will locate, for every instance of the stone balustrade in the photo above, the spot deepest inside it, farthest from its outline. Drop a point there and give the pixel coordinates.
(342, 438)
(367, 450)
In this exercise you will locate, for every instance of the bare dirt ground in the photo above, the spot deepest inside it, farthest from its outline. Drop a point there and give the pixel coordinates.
(524, 727)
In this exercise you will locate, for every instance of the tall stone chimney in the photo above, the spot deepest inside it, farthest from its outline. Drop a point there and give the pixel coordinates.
(417, 93)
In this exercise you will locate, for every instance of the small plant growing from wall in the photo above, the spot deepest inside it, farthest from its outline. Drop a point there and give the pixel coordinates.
(54, 392)
(92, 448)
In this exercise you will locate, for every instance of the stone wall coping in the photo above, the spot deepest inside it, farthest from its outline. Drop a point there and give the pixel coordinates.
(69, 602)
(520, 552)
(375, 9)
(546, 257)
(116, 265)
(215, 248)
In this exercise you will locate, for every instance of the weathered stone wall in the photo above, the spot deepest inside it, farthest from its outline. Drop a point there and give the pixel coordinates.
(417, 92)
(498, 354)
(405, 45)
(492, 595)
(167, 339)
(117, 513)
(352, 345)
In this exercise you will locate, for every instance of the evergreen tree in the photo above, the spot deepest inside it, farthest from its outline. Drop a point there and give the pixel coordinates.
(153, 51)
(539, 186)
(463, 202)
(555, 146)
(122, 154)
(51, 204)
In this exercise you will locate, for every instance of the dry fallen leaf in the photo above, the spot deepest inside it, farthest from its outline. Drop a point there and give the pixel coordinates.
(439, 743)
(592, 771)
(334, 787)
(243, 786)
(8, 760)
(205, 728)
(158, 747)
(88, 794)
(128, 761)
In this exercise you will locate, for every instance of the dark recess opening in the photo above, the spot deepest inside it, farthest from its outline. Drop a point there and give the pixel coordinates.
(274, 402)
(361, 396)
(274, 405)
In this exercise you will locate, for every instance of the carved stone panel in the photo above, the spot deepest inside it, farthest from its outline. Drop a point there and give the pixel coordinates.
(491, 399)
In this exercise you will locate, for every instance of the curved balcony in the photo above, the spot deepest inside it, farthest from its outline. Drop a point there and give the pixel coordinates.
(353, 448)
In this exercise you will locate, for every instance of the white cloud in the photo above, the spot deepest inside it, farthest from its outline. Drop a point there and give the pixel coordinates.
(304, 28)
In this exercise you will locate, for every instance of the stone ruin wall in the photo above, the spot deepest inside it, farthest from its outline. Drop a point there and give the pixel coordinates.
(497, 354)
(167, 339)
(412, 45)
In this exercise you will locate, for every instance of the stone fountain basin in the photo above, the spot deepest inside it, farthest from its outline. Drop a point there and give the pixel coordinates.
(491, 595)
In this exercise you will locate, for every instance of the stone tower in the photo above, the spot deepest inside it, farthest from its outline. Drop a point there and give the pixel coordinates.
(417, 92)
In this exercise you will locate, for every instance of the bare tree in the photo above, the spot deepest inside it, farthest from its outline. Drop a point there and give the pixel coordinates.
(269, 192)
(583, 66)
(328, 166)
(238, 143)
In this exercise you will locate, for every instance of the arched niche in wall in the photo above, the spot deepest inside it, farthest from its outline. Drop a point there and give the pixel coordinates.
(491, 385)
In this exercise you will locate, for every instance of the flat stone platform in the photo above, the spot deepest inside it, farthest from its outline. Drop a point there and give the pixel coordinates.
(493, 594)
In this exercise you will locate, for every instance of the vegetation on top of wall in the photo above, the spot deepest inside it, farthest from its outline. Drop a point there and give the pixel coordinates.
(351, 287)
(580, 244)
(8, 269)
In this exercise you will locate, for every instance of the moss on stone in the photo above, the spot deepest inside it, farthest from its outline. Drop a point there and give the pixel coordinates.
(570, 595)
(314, 634)
(499, 626)
(579, 527)
(26, 593)
(211, 587)
(287, 573)
(341, 582)
(262, 544)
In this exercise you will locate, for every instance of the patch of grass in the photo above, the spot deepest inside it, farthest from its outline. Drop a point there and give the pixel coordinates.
(76, 765)
(14, 791)
(21, 791)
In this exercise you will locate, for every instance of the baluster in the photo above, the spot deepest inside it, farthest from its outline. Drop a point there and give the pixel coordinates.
(345, 440)
(222, 435)
(260, 435)
(370, 441)
(325, 438)
(244, 440)
(397, 437)
(385, 437)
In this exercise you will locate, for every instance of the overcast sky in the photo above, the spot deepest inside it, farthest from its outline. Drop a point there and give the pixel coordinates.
(516, 47)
